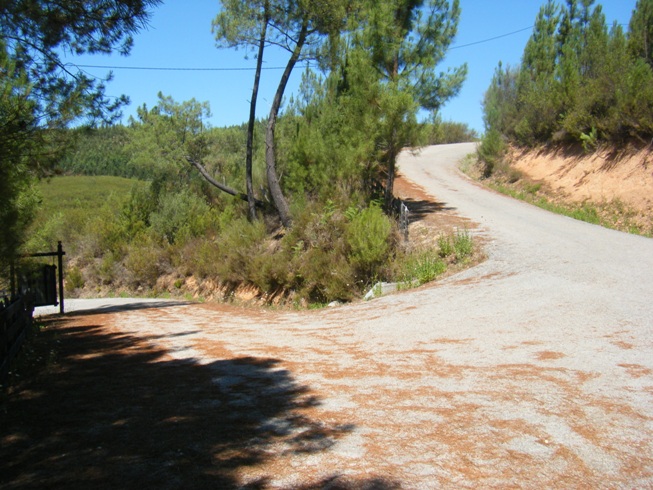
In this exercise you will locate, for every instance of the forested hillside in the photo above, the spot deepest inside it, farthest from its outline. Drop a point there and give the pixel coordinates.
(298, 204)
(571, 128)
(580, 82)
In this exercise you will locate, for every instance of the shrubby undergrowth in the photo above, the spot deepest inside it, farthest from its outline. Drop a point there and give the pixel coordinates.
(320, 225)
(332, 253)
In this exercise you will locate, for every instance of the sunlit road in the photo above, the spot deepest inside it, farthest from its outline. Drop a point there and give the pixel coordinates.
(532, 370)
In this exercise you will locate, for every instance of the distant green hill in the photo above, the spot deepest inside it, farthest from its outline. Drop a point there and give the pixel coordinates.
(62, 194)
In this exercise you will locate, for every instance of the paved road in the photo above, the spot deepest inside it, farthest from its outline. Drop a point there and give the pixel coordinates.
(532, 370)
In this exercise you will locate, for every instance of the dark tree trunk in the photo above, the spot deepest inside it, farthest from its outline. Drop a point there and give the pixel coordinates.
(270, 156)
(389, 185)
(251, 201)
(222, 187)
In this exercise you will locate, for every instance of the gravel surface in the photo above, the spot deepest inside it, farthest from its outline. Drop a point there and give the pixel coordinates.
(533, 369)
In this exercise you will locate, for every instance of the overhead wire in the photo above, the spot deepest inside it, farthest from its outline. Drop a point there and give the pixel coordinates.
(162, 68)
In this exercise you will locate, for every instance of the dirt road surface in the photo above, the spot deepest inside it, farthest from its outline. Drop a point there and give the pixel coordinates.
(533, 370)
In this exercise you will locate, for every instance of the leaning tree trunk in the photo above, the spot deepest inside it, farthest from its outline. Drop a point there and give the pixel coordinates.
(251, 201)
(391, 166)
(222, 187)
(274, 185)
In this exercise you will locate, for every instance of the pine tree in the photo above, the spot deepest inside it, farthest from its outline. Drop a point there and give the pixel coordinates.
(640, 35)
(538, 99)
(40, 94)
(299, 27)
(246, 24)
(406, 40)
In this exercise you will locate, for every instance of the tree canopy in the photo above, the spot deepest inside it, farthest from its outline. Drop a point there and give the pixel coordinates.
(40, 93)
(579, 80)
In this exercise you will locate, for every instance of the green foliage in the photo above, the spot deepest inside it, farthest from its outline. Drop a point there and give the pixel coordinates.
(577, 80)
(368, 236)
(457, 246)
(69, 207)
(589, 141)
(40, 94)
(100, 151)
(18, 133)
(335, 144)
(397, 45)
(37, 32)
(74, 279)
(491, 151)
(439, 132)
(421, 267)
(181, 216)
(640, 31)
(316, 254)
(163, 137)
(146, 260)
(463, 244)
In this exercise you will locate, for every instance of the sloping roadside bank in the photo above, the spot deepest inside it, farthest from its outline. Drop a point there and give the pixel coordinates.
(610, 187)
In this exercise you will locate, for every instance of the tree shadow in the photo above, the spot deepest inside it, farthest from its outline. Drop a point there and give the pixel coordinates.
(420, 208)
(109, 410)
(341, 483)
(131, 306)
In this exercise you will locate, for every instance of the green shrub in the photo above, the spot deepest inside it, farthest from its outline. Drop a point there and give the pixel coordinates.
(491, 151)
(181, 216)
(463, 244)
(316, 251)
(146, 261)
(368, 235)
(237, 245)
(456, 246)
(105, 233)
(74, 279)
(445, 246)
(420, 267)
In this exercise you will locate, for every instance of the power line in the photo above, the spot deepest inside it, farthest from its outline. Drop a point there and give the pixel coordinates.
(490, 39)
(164, 68)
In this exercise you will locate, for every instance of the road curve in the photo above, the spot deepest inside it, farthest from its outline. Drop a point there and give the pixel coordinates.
(533, 369)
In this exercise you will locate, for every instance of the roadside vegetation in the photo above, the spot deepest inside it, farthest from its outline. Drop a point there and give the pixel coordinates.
(613, 214)
(582, 86)
(295, 207)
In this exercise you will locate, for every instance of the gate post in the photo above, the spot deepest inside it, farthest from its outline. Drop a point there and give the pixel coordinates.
(60, 254)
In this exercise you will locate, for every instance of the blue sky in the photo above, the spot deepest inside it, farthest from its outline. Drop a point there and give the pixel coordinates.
(179, 36)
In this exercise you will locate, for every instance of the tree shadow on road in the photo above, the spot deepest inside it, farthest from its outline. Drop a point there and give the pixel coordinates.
(110, 410)
(420, 208)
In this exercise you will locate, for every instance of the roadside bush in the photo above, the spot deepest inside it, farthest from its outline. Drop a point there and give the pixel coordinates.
(419, 267)
(445, 132)
(237, 245)
(316, 251)
(105, 233)
(368, 236)
(491, 151)
(456, 246)
(146, 260)
(74, 279)
(181, 216)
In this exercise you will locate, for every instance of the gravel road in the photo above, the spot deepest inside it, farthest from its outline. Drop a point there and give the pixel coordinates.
(533, 369)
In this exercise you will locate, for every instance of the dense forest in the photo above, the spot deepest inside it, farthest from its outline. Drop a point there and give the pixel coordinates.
(298, 204)
(580, 82)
